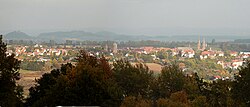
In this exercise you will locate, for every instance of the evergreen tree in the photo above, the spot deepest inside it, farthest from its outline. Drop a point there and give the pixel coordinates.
(10, 93)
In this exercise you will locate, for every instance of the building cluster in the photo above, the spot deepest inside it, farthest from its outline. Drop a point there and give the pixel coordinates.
(212, 54)
(181, 52)
(186, 52)
(37, 51)
(237, 58)
(236, 62)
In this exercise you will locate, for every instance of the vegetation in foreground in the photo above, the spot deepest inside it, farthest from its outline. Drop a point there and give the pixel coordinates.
(92, 81)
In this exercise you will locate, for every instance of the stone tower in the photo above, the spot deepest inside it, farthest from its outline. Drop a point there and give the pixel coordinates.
(203, 44)
(106, 48)
(114, 48)
(199, 44)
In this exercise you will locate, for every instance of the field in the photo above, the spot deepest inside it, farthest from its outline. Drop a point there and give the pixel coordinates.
(156, 68)
(28, 79)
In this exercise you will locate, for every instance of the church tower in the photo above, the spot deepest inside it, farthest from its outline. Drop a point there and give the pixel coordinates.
(106, 48)
(199, 44)
(203, 44)
(114, 48)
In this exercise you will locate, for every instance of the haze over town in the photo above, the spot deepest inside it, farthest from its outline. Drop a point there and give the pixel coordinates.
(134, 17)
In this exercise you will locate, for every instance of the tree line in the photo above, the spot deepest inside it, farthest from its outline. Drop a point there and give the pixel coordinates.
(93, 81)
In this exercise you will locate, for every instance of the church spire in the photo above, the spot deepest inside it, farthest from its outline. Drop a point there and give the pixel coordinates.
(203, 44)
(199, 44)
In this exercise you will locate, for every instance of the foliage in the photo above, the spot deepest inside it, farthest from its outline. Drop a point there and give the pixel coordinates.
(199, 101)
(92, 81)
(171, 80)
(241, 86)
(89, 83)
(43, 84)
(131, 101)
(178, 99)
(219, 94)
(32, 65)
(146, 58)
(10, 93)
(191, 87)
(133, 79)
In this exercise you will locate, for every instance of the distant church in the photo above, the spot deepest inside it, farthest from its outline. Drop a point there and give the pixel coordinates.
(204, 45)
(114, 48)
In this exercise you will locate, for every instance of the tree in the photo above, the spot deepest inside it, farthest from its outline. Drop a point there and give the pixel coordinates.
(146, 57)
(55, 63)
(89, 83)
(162, 54)
(191, 87)
(199, 101)
(131, 101)
(134, 80)
(219, 94)
(177, 99)
(10, 93)
(241, 86)
(43, 84)
(32, 65)
(60, 58)
(171, 80)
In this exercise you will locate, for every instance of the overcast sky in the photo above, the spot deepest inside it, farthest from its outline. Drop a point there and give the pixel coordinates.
(148, 17)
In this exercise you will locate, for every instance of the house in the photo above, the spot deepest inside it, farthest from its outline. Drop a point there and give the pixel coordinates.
(189, 53)
(148, 49)
(186, 52)
(233, 53)
(236, 63)
(244, 55)
(207, 54)
(220, 53)
(174, 51)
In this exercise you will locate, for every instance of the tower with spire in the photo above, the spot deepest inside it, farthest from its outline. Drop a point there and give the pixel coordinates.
(106, 48)
(114, 48)
(203, 44)
(199, 44)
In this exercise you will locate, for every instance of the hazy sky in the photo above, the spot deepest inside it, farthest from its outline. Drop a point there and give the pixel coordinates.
(149, 17)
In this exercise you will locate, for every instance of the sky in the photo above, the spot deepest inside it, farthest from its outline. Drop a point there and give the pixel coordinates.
(144, 17)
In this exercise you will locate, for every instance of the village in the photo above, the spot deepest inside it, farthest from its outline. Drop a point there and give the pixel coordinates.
(218, 64)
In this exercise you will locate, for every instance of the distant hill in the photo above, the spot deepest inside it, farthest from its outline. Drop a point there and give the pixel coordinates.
(62, 36)
(17, 35)
(82, 36)
(242, 40)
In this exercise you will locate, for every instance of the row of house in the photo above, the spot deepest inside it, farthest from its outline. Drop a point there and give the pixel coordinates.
(234, 64)
(211, 54)
(182, 51)
(22, 50)
(188, 52)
